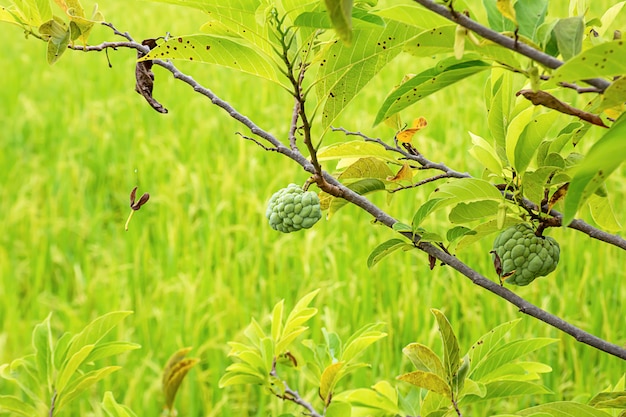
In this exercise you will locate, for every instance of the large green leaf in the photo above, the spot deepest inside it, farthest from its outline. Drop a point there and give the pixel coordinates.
(507, 389)
(489, 343)
(530, 15)
(70, 367)
(601, 160)
(465, 190)
(475, 210)
(603, 60)
(569, 36)
(506, 354)
(345, 70)
(427, 82)
(226, 52)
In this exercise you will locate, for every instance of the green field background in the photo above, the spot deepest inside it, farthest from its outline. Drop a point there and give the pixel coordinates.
(199, 260)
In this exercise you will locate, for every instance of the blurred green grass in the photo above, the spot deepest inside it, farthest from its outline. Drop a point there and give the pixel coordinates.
(199, 260)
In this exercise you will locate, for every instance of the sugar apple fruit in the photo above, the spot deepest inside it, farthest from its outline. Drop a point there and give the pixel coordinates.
(525, 256)
(291, 209)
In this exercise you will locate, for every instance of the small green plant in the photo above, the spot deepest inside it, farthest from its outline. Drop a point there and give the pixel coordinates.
(61, 370)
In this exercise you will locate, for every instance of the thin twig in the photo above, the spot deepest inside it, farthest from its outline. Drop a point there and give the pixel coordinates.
(509, 43)
(420, 183)
(251, 139)
(293, 396)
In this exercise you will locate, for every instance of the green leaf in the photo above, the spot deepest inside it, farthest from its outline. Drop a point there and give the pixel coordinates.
(113, 409)
(81, 384)
(338, 409)
(603, 214)
(385, 249)
(496, 20)
(105, 350)
(95, 331)
(299, 315)
(42, 342)
(483, 230)
(277, 320)
(16, 405)
(427, 82)
(514, 132)
(489, 343)
(432, 42)
(465, 190)
(499, 108)
(475, 210)
(609, 400)
(506, 354)
(328, 381)
(368, 167)
(177, 367)
(484, 153)
(507, 389)
(355, 149)
(458, 232)
(425, 209)
(451, 361)
(58, 35)
(569, 36)
(69, 368)
(372, 399)
(599, 61)
(601, 160)
(530, 15)
(534, 133)
(347, 69)
(429, 381)
(424, 359)
(340, 12)
(361, 340)
(609, 17)
(218, 50)
(564, 409)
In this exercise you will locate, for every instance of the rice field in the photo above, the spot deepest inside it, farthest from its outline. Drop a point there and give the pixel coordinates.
(199, 260)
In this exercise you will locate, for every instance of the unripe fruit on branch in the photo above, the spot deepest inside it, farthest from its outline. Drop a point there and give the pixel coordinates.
(522, 256)
(291, 209)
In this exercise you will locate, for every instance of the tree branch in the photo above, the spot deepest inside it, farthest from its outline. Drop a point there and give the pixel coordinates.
(509, 43)
(332, 186)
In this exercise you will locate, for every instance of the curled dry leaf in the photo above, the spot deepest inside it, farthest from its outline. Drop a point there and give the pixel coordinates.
(145, 78)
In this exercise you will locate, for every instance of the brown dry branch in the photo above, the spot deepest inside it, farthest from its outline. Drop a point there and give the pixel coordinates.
(331, 185)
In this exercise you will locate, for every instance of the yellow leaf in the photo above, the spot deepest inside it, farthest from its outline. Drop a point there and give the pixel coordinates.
(506, 8)
(405, 173)
(406, 135)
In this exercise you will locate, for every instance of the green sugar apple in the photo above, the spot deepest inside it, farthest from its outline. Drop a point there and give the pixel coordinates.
(525, 256)
(291, 209)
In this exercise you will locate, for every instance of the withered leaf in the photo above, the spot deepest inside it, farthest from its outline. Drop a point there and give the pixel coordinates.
(432, 261)
(558, 195)
(142, 200)
(145, 78)
(541, 98)
(133, 193)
